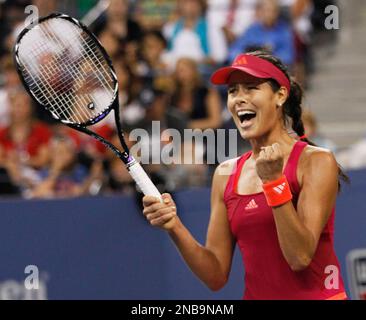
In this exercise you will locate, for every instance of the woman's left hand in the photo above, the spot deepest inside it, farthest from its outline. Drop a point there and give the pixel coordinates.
(269, 164)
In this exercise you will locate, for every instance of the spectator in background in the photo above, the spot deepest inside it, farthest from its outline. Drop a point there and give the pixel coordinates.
(311, 131)
(155, 73)
(187, 37)
(140, 97)
(111, 43)
(153, 14)
(299, 13)
(12, 24)
(269, 32)
(117, 23)
(193, 105)
(227, 19)
(132, 104)
(11, 80)
(15, 18)
(24, 148)
(65, 177)
(198, 104)
(154, 55)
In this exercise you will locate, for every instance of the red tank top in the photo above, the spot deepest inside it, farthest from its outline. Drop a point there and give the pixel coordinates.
(267, 274)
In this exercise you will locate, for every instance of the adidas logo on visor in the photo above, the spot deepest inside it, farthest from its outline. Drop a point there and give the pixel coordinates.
(240, 61)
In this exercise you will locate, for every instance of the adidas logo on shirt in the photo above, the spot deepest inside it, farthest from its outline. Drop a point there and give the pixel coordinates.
(251, 205)
(279, 189)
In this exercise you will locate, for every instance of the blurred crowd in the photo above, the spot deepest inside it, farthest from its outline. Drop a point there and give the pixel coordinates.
(163, 52)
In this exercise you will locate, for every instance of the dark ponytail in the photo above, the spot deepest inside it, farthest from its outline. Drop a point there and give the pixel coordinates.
(292, 110)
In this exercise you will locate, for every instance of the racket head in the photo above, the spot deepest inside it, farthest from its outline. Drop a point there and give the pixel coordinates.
(66, 70)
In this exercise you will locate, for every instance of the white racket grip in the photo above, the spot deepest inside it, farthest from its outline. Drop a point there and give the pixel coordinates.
(143, 180)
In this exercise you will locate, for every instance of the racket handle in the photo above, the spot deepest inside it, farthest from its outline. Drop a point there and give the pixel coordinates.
(143, 180)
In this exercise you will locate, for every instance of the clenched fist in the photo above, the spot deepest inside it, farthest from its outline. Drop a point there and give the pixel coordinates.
(269, 164)
(160, 214)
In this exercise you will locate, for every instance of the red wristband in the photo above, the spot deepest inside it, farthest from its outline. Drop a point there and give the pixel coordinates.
(277, 192)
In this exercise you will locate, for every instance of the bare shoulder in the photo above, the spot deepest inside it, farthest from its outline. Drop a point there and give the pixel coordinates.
(315, 160)
(226, 168)
(222, 174)
(317, 155)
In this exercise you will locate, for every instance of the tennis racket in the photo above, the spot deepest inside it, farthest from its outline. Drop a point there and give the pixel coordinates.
(67, 71)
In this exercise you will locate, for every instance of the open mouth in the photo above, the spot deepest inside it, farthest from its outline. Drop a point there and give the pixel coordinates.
(246, 115)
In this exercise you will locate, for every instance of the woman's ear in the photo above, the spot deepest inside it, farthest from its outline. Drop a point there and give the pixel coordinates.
(282, 95)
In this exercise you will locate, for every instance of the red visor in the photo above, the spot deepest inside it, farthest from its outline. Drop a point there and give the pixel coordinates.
(254, 66)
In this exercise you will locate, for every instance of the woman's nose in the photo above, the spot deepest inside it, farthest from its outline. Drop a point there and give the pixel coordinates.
(241, 96)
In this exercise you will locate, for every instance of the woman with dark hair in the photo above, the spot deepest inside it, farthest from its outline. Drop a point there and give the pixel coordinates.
(193, 98)
(275, 201)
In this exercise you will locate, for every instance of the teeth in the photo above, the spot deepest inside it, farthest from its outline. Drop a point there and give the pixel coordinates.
(245, 112)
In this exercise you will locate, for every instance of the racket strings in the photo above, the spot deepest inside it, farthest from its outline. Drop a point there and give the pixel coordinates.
(66, 92)
(47, 70)
(90, 46)
(74, 81)
(77, 64)
(62, 104)
(53, 98)
(71, 69)
(45, 77)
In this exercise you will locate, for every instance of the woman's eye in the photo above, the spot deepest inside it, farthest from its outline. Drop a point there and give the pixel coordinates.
(231, 90)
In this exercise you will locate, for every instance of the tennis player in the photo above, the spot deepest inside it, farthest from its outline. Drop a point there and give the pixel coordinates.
(277, 202)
